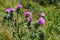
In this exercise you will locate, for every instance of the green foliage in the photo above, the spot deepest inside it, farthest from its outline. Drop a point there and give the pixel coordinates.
(45, 2)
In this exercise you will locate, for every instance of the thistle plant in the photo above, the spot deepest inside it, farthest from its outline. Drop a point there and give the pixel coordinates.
(7, 11)
(43, 14)
(27, 14)
(16, 24)
(11, 12)
(29, 19)
(5, 17)
(41, 20)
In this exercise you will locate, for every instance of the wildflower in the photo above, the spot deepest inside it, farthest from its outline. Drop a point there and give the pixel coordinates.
(27, 13)
(19, 6)
(29, 19)
(41, 20)
(11, 13)
(7, 11)
(12, 9)
(42, 14)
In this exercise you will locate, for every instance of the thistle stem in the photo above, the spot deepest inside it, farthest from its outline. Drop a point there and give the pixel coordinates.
(18, 26)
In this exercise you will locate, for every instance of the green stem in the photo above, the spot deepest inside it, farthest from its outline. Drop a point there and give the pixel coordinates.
(18, 26)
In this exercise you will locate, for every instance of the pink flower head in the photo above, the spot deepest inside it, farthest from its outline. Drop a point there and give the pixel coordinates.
(12, 9)
(29, 19)
(41, 20)
(43, 14)
(19, 6)
(27, 13)
(7, 11)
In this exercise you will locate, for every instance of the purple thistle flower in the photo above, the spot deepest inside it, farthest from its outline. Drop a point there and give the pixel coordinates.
(43, 14)
(7, 11)
(27, 13)
(29, 19)
(19, 6)
(12, 9)
(41, 20)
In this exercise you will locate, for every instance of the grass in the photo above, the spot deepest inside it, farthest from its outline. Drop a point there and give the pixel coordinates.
(52, 20)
